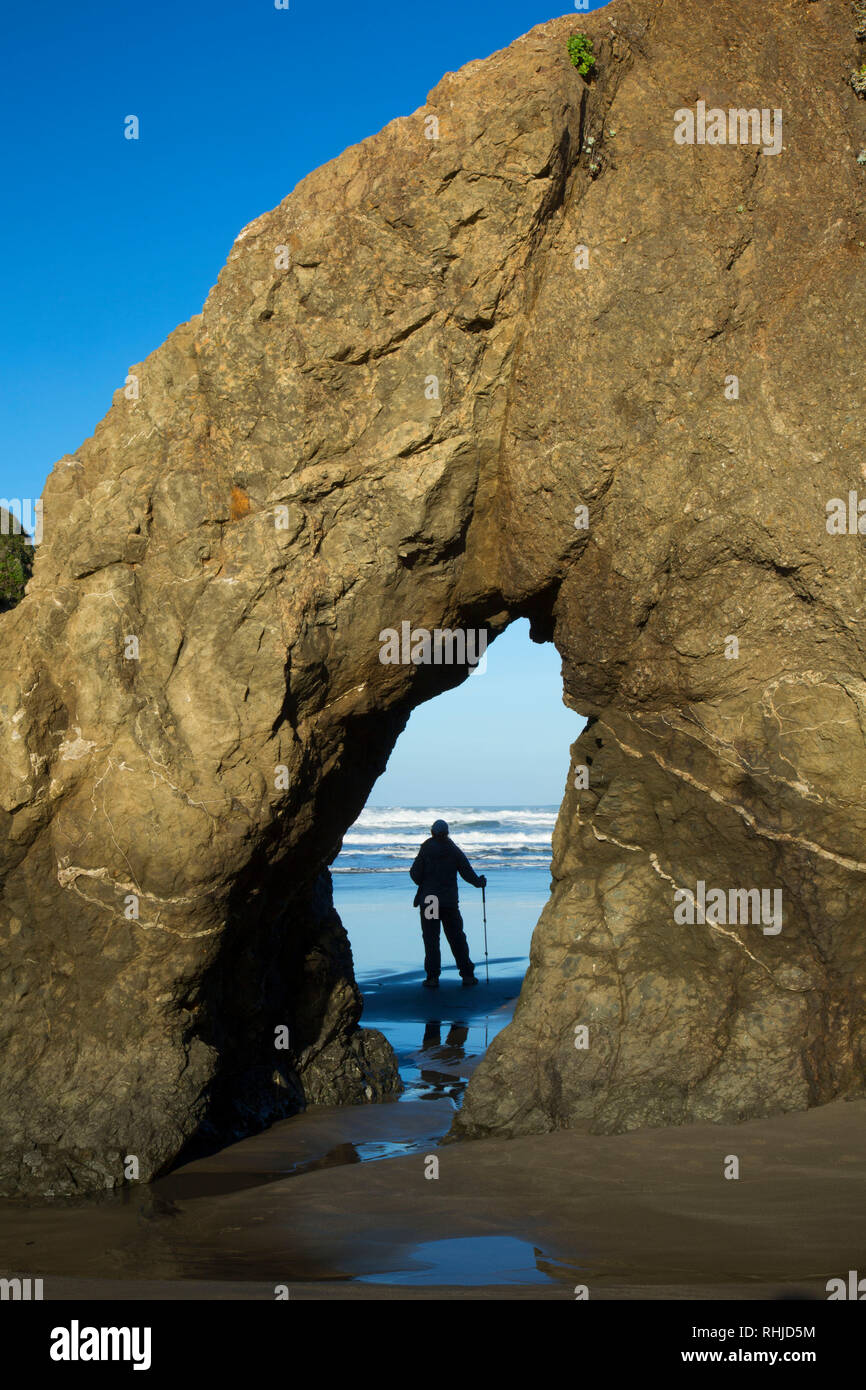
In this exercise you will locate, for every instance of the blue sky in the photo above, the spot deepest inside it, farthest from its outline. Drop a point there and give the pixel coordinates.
(110, 243)
(499, 739)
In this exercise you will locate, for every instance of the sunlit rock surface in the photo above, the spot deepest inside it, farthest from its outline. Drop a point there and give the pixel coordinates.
(404, 386)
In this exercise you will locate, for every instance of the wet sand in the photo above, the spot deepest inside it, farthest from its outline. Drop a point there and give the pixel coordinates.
(642, 1215)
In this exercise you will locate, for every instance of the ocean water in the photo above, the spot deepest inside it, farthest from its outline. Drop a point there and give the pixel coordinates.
(439, 1035)
(385, 839)
(373, 891)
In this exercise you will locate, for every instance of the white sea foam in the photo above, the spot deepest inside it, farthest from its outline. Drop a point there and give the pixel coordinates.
(387, 816)
(474, 839)
(387, 838)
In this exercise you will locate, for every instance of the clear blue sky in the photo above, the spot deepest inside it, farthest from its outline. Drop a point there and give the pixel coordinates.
(109, 243)
(499, 739)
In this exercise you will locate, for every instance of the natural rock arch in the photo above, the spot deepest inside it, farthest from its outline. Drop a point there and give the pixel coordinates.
(394, 419)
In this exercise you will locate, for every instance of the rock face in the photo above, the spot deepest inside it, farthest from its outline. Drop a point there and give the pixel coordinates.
(406, 381)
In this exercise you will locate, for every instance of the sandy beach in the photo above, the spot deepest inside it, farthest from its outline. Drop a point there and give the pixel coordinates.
(336, 1203)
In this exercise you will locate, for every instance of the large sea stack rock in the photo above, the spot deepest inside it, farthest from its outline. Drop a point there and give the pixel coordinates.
(405, 385)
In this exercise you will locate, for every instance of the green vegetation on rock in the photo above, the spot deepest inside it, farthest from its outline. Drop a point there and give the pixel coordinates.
(581, 54)
(16, 561)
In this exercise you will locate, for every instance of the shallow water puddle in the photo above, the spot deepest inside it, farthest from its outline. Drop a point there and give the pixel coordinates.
(374, 1149)
(474, 1261)
(439, 1037)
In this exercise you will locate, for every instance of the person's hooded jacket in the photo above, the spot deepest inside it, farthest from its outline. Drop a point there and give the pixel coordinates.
(435, 871)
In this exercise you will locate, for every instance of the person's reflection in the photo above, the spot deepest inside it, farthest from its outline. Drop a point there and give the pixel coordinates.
(451, 1052)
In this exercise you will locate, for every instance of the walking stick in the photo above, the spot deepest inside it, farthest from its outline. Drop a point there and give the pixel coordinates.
(484, 910)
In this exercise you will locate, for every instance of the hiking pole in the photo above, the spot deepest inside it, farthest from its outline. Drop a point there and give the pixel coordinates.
(484, 910)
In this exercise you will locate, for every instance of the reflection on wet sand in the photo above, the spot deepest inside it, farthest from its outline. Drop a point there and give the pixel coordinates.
(437, 1060)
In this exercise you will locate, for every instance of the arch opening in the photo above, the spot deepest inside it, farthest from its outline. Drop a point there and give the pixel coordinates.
(490, 758)
(350, 1000)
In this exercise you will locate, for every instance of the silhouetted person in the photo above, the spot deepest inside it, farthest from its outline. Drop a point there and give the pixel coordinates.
(435, 871)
